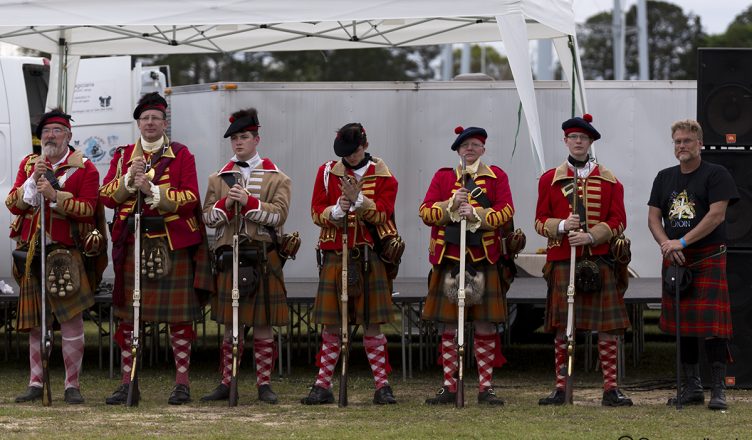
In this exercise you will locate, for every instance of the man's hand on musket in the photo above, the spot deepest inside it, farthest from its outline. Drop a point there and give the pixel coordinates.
(672, 251)
(236, 194)
(45, 188)
(344, 203)
(460, 197)
(577, 238)
(140, 179)
(350, 188)
(39, 169)
(572, 223)
(467, 211)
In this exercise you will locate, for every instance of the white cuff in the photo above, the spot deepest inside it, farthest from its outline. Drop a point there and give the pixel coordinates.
(154, 198)
(475, 224)
(561, 229)
(30, 192)
(126, 180)
(358, 202)
(337, 212)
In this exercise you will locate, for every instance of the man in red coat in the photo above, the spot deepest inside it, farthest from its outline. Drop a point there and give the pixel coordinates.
(358, 191)
(600, 217)
(65, 181)
(480, 193)
(174, 249)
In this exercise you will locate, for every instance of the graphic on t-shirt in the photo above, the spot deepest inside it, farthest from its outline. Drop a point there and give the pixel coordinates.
(681, 207)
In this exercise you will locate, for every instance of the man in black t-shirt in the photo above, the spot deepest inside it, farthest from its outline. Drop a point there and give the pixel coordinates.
(687, 211)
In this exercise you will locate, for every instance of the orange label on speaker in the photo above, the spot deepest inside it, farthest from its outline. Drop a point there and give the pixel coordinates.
(730, 381)
(730, 138)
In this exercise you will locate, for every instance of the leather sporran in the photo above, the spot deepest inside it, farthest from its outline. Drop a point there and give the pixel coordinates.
(621, 250)
(677, 274)
(289, 246)
(354, 274)
(514, 242)
(93, 243)
(248, 263)
(62, 277)
(156, 262)
(475, 285)
(587, 276)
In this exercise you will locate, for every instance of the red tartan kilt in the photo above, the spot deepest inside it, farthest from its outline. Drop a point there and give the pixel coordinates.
(326, 309)
(706, 310)
(252, 308)
(63, 308)
(493, 308)
(603, 311)
(169, 299)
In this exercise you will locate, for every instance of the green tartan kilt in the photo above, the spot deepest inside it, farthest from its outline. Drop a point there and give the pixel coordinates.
(493, 308)
(326, 309)
(252, 308)
(171, 298)
(603, 311)
(63, 308)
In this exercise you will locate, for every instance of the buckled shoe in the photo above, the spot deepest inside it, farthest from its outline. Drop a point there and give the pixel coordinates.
(557, 397)
(442, 397)
(489, 397)
(384, 396)
(318, 396)
(221, 392)
(180, 395)
(119, 396)
(614, 397)
(265, 394)
(31, 394)
(73, 396)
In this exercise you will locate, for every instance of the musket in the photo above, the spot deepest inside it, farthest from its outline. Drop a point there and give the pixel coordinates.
(133, 390)
(460, 402)
(345, 328)
(570, 335)
(46, 340)
(233, 399)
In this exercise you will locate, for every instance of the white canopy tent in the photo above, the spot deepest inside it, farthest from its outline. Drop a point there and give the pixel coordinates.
(73, 28)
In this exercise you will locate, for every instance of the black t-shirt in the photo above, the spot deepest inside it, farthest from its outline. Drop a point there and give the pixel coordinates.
(684, 199)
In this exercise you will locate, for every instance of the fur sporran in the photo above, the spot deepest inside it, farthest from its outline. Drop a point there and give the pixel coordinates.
(62, 275)
(587, 277)
(475, 285)
(155, 258)
(678, 274)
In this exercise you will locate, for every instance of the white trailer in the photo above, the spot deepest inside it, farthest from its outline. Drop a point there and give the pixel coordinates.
(411, 126)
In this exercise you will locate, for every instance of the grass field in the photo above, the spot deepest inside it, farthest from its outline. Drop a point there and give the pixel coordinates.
(525, 379)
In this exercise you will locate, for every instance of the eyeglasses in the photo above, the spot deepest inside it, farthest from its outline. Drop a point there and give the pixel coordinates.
(151, 119)
(57, 131)
(576, 137)
(680, 142)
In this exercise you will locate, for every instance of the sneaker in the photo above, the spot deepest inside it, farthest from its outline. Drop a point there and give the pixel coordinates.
(32, 393)
(384, 396)
(442, 397)
(222, 392)
(318, 396)
(557, 397)
(489, 397)
(614, 397)
(180, 395)
(119, 396)
(73, 396)
(265, 394)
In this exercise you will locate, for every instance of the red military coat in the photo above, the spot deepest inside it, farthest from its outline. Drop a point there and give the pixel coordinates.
(603, 197)
(178, 188)
(379, 195)
(434, 212)
(76, 200)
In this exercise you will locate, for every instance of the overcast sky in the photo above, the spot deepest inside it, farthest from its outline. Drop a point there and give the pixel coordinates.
(715, 14)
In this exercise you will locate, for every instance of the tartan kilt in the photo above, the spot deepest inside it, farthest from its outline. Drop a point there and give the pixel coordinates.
(63, 308)
(171, 298)
(252, 308)
(603, 311)
(493, 308)
(326, 309)
(706, 310)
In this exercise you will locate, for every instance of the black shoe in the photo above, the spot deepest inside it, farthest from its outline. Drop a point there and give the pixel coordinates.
(557, 397)
(180, 394)
(222, 392)
(442, 397)
(718, 387)
(384, 396)
(119, 396)
(265, 394)
(32, 393)
(489, 397)
(73, 396)
(318, 396)
(614, 397)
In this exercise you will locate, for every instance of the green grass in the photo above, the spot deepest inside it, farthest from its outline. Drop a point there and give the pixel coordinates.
(527, 377)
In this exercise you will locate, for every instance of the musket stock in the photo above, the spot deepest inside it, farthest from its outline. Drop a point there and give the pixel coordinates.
(460, 402)
(345, 328)
(233, 399)
(134, 394)
(569, 384)
(46, 340)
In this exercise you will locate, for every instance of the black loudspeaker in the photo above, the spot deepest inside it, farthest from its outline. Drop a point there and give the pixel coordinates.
(738, 215)
(724, 96)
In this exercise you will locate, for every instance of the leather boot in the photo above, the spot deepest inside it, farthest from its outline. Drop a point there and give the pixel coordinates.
(691, 392)
(718, 389)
